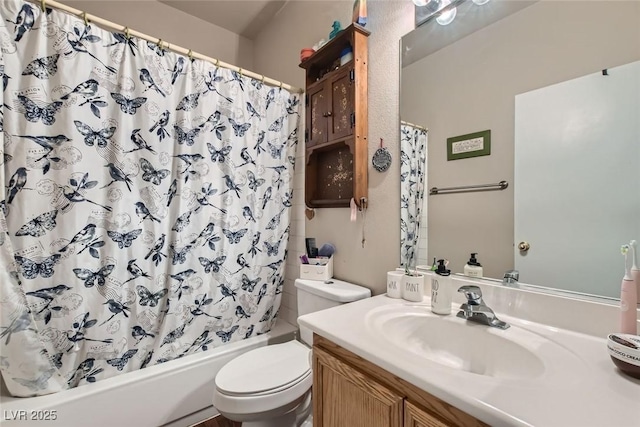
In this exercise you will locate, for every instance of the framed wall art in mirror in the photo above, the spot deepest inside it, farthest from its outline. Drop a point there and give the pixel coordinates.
(469, 145)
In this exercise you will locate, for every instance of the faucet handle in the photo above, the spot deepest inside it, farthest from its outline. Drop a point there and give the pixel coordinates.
(512, 274)
(511, 278)
(473, 294)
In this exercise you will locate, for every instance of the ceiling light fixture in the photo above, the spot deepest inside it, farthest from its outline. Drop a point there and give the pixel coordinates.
(446, 17)
(442, 11)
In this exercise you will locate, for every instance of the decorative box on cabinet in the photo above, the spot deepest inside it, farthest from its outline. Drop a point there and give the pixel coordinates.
(336, 122)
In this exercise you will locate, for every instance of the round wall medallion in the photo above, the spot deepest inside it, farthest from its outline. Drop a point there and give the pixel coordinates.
(381, 159)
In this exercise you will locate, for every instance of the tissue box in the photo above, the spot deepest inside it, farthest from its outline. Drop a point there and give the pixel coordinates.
(317, 269)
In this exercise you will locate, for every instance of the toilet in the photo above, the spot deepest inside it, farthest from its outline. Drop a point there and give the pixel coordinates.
(271, 386)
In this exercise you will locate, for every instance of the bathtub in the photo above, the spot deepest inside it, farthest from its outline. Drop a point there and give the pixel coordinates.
(173, 394)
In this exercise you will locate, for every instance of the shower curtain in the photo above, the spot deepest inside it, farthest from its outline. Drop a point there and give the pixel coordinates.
(146, 210)
(413, 151)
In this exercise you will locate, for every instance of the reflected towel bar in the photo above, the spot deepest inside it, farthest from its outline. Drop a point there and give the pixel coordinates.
(484, 187)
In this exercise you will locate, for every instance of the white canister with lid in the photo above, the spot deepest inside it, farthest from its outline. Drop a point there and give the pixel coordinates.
(413, 287)
(394, 284)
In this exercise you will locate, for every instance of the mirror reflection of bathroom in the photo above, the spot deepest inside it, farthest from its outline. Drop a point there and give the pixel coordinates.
(563, 121)
(413, 204)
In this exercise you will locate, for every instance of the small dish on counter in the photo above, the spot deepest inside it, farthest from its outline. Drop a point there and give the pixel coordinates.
(624, 350)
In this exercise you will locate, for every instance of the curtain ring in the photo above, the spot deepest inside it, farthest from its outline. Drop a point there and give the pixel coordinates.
(190, 55)
(262, 79)
(218, 62)
(84, 17)
(240, 71)
(159, 43)
(43, 5)
(126, 33)
(281, 83)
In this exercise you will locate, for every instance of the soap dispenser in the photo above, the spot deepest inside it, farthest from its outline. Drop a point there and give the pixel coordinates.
(473, 268)
(441, 293)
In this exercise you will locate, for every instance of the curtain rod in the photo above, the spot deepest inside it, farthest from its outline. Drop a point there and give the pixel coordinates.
(187, 52)
(414, 125)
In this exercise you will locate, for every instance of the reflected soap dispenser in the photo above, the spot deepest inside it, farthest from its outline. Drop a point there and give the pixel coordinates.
(473, 268)
(628, 298)
(441, 293)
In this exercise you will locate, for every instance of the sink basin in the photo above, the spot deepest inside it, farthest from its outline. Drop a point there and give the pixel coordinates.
(455, 343)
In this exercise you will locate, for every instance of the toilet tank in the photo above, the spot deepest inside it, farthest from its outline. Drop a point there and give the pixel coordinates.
(316, 295)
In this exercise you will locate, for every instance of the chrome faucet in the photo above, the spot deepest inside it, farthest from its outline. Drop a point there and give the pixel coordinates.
(476, 310)
(511, 278)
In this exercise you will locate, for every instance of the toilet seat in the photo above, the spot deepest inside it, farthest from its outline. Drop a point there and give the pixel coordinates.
(265, 370)
(261, 380)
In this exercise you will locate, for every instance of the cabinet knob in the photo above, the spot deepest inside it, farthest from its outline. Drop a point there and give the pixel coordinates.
(327, 114)
(524, 246)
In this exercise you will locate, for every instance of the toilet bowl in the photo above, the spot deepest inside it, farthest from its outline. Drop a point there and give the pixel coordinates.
(266, 387)
(271, 386)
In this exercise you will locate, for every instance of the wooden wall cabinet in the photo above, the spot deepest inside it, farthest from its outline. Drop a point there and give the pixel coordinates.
(349, 391)
(331, 111)
(336, 122)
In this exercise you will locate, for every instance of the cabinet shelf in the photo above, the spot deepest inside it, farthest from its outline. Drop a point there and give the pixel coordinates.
(336, 122)
(324, 57)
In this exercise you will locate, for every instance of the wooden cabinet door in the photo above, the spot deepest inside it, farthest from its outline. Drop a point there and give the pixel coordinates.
(340, 118)
(344, 397)
(317, 112)
(416, 417)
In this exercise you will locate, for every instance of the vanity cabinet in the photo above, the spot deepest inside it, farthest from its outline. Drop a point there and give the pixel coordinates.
(349, 398)
(349, 391)
(416, 417)
(336, 125)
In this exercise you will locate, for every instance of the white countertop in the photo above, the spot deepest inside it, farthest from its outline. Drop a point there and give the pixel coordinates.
(590, 392)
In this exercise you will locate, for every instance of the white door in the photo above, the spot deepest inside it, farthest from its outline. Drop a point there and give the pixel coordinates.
(577, 180)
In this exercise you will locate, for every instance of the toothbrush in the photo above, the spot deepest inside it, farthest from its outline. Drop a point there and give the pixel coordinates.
(635, 270)
(628, 297)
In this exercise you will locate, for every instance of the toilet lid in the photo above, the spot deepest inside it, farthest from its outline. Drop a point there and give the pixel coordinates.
(263, 369)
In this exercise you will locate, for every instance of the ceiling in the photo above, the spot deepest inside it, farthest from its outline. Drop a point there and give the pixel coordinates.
(244, 17)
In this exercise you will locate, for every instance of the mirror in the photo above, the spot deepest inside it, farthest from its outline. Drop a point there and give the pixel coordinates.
(487, 70)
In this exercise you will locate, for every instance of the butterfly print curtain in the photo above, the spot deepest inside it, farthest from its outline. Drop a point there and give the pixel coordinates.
(413, 152)
(146, 207)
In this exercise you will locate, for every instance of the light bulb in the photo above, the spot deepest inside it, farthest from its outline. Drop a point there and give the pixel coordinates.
(421, 3)
(480, 2)
(447, 17)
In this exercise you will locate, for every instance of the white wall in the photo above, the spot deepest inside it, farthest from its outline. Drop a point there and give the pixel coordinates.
(471, 85)
(277, 54)
(174, 26)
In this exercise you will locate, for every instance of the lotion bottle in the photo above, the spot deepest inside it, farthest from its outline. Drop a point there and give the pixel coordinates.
(473, 268)
(441, 294)
(635, 270)
(628, 298)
